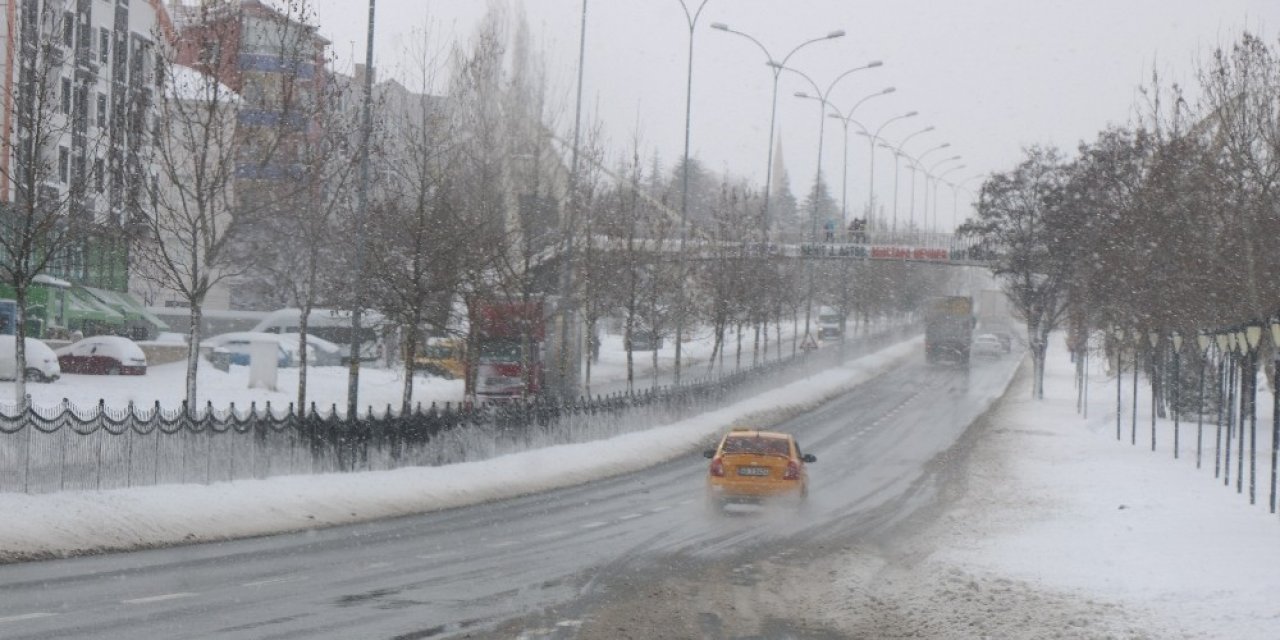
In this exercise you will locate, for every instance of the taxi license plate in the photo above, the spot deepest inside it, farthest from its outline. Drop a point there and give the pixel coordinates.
(753, 471)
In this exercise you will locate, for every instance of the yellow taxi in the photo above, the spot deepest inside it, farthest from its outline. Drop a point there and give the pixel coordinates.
(750, 466)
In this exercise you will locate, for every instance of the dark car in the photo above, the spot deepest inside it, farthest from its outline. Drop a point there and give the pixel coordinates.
(103, 355)
(645, 340)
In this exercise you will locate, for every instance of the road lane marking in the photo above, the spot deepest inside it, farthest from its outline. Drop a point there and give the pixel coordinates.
(499, 545)
(593, 525)
(660, 508)
(26, 616)
(630, 516)
(259, 583)
(167, 596)
(552, 534)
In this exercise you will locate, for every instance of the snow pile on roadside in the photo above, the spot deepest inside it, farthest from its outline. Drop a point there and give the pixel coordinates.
(1064, 532)
(78, 522)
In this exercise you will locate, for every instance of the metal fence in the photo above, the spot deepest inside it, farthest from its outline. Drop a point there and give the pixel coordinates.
(47, 449)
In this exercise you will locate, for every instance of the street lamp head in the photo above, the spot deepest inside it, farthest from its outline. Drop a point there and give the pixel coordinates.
(928, 129)
(888, 90)
(838, 33)
(874, 63)
(1253, 334)
(801, 94)
(720, 26)
(910, 114)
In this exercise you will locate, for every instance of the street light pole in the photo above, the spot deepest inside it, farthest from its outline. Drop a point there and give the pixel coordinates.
(692, 19)
(871, 161)
(897, 156)
(936, 181)
(957, 186)
(776, 70)
(566, 275)
(928, 175)
(845, 120)
(366, 133)
(916, 164)
(821, 97)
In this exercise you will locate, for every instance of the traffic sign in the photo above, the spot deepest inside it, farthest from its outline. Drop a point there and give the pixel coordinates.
(809, 344)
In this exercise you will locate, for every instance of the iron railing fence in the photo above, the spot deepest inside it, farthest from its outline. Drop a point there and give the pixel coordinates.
(64, 447)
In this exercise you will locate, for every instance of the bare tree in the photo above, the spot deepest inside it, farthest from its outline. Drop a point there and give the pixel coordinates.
(202, 156)
(45, 208)
(424, 239)
(1019, 217)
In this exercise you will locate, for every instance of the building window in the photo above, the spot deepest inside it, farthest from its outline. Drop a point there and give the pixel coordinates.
(82, 103)
(68, 29)
(102, 110)
(66, 95)
(99, 175)
(77, 173)
(64, 164)
(104, 44)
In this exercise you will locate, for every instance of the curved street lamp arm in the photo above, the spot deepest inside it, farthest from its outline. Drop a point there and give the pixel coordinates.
(940, 175)
(769, 59)
(806, 43)
(918, 161)
(903, 144)
(892, 120)
(692, 18)
(849, 115)
(940, 162)
(802, 74)
(869, 65)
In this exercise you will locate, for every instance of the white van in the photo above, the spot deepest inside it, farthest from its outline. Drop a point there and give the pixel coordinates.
(333, 325)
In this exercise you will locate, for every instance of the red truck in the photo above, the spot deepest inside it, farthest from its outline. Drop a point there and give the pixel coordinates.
(505, 349)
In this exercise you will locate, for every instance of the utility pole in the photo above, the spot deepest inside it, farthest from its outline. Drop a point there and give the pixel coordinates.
(362, 203)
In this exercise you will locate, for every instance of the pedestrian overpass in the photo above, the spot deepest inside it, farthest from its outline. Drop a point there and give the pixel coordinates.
(943, 249)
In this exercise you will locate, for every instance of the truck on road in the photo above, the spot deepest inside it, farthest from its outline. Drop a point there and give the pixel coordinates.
(948, 329)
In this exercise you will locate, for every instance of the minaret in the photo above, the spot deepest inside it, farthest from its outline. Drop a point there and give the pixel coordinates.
(779, 182)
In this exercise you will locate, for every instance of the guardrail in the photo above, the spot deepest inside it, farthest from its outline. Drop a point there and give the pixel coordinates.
(69, 448)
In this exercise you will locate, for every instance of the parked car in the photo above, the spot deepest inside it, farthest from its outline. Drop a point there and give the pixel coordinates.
(103, 355)
(443, 357)
(645, 340)
(42, 362)
(237, 344)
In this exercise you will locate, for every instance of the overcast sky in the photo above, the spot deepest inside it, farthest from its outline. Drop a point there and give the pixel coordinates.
(991, 75)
